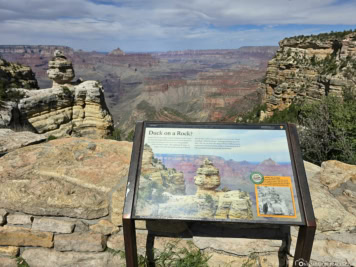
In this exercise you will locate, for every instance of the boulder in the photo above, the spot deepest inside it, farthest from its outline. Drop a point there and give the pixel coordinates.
(65, 177)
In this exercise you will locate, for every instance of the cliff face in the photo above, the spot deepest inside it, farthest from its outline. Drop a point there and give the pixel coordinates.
(308, 68)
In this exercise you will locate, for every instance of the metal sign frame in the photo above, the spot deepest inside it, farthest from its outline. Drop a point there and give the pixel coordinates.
(307, 225)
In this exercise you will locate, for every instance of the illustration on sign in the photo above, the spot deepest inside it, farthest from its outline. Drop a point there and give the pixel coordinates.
(225, 174)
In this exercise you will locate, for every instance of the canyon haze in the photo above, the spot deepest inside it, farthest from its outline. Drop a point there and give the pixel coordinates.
(189, 85)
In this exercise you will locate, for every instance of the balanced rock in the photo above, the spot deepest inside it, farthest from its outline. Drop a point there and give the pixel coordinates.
(207, 177)
(60, 69)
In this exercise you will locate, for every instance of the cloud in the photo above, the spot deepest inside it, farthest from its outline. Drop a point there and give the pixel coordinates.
(168, 25)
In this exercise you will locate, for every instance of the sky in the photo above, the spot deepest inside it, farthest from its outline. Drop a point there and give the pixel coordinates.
(167, 25)
(236, 144)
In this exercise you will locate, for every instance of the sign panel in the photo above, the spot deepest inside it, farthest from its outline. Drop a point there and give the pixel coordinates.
(217, 172)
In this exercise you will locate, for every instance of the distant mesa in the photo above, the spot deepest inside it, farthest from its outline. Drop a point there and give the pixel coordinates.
(117, 52)
(268, 162)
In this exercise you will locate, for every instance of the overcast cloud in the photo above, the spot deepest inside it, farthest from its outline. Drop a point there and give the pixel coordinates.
(159, 25)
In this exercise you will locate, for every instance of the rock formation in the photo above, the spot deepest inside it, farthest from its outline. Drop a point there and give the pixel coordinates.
(153, 171)
(207, 177)
(308, 68)
(61, 205)
(60, 69)
(66, 109)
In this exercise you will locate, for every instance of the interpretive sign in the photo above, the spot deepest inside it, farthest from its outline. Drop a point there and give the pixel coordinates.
(211, 172)
(220, 173)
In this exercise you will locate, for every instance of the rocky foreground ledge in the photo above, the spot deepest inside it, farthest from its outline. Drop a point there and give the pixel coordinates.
(61, 205)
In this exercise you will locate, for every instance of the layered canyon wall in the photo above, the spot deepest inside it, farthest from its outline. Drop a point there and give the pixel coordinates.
(310, 67)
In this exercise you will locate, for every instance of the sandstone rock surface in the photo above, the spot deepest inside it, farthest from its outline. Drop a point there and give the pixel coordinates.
(46, 257)
(85, 242)
(11, 140)
(65, 177)
(23, 237)
(9, 251)
(52, 225)
(19, 219)
(7, 262)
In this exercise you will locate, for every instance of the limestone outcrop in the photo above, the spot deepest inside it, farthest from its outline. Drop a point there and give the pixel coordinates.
(76, 109)
(65, 198)
(309, 67)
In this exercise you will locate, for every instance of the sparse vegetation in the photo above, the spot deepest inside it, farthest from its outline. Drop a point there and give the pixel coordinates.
(51, 137)
(130, 136)
(327, 127)
(177, 113)
(116, 135)
(149, 110)
(173, 255)
(7, 94)
(21, 262)
(66, 91)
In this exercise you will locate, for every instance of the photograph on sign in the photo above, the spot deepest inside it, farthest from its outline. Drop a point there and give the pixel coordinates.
(223, 174)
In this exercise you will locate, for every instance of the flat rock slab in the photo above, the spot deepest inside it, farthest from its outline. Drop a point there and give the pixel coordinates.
(47, 257)
(65, 177)
(11, 140)
(330, 214)
(84, 242)
(19, 219)
(53, 225)
(23, 237)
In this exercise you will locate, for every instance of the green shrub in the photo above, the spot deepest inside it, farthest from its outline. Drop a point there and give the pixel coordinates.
(287, 115)
(130, 136)
(7, 94)
(51, 137)
(116, 135)
(66, 91)
(329, 130)
(21, 262)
